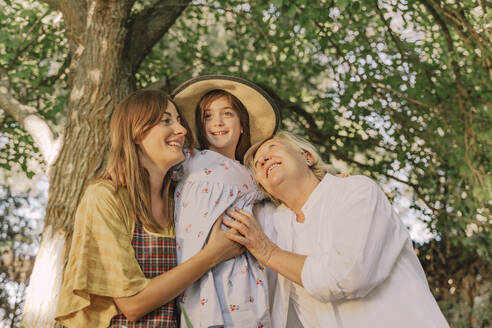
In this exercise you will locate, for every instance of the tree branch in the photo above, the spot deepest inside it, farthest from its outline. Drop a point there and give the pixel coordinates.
(148, 27)
(31, 121)
(165, 83)
(53, 4)
(23, 47)
(75, 16)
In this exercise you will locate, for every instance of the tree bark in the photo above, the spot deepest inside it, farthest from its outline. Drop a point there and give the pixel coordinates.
(106, 48)
(100, 77)
(30, 121)
(99, 81)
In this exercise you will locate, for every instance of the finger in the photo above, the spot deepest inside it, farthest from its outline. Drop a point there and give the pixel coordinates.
(237, 238)
(251, 218)
(234, 231)
(239, 217)
(247, 214)
(241, 228)
(218, 223)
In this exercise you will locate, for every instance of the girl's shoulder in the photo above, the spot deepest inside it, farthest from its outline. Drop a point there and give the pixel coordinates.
(211, 161)
(210, 166)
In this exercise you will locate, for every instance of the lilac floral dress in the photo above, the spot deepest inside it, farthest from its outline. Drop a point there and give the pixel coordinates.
(234, 293)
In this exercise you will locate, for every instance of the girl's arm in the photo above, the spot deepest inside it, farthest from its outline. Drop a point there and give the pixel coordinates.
(165, 287)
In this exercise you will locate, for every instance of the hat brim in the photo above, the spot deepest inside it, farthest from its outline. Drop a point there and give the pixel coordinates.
(262, 110)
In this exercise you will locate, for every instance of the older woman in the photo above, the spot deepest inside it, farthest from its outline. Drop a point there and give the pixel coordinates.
(344, 257)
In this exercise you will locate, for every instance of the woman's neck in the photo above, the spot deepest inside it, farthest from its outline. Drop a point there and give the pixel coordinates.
(295, 194)
(158, 195)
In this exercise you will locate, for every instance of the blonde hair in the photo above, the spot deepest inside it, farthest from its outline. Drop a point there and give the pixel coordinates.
(319, 167)
(135, 115)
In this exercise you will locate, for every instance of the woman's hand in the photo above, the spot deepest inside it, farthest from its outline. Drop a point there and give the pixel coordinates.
(219, 246)
(251, 235)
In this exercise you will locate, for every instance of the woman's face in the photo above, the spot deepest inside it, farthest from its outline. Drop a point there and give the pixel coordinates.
(276, 163)
(222, 127)
(163, 143)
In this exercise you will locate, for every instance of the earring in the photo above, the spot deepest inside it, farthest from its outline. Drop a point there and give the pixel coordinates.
(308, 162)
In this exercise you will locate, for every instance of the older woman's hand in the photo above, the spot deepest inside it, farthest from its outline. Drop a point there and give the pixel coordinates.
(251, 235)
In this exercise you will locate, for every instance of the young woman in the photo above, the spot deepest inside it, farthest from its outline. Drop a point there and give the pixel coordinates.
(121, 269)
(227, 114)
(344, 257)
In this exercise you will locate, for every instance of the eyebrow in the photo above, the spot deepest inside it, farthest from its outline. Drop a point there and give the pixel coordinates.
(171, 115)
(221, 108)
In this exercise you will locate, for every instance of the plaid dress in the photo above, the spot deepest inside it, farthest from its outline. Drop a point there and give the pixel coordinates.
(156, 255)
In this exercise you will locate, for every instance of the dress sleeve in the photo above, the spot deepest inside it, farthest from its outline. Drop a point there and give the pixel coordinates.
(264, 212)
(212, 184)
(101, 264)
(367, 239)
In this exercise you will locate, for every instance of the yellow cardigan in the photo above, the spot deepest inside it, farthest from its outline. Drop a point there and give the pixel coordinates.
(101, 264)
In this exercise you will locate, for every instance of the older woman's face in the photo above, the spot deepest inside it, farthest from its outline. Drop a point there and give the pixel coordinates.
(276, 163)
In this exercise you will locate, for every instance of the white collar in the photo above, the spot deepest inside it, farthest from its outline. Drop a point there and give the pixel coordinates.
(318, 192)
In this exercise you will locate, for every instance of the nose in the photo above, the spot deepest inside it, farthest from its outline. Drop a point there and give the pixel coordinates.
(218, 120)
(180, 129)
(263, 160)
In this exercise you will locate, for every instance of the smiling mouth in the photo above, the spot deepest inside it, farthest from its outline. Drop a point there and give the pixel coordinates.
(219, 133)
(271, 167)
(175, 144)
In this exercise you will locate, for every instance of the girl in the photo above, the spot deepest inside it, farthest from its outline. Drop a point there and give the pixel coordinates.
(121, 268)
(228, 114)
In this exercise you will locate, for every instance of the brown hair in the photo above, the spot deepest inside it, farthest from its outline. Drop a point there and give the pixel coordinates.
(135, 115)
(244, 141)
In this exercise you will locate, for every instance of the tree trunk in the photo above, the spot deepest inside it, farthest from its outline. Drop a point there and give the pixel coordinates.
(100, 79)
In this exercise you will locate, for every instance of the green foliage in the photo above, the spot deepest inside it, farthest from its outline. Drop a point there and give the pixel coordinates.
(34, 54)
(398, 90)
(17, 238)
(460, 313)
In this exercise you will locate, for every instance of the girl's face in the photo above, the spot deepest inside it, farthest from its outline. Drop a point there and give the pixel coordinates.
(222, 127)
(163, 143)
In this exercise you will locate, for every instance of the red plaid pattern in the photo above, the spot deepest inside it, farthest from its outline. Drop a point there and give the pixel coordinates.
(156, 255)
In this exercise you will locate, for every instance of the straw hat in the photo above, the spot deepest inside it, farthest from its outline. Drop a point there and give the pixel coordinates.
(262, 110)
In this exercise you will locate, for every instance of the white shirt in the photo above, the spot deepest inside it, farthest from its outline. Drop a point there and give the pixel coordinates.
(361, 269)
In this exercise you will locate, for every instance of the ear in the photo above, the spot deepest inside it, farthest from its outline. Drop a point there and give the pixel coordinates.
(309, 158)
